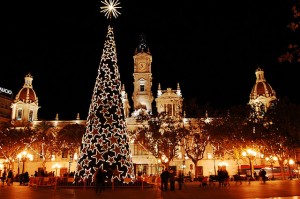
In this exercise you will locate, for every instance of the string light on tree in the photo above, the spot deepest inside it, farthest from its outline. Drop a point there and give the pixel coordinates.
(105, 143)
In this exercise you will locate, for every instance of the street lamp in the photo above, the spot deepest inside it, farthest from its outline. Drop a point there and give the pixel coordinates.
(272, 160)
(23, 156)
(158, 166)
(70, 163)
(56, 166)
(250, 154)
(291, 162)
(183, 163)
(211, 156)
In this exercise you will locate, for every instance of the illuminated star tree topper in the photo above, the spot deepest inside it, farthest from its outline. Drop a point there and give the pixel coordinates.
(110, 8)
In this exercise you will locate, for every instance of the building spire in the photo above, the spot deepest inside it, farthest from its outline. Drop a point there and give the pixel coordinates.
(142, 45)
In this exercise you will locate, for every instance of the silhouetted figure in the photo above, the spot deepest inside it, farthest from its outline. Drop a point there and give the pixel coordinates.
(263, 175)
(10, 177)
(100, 180)
(25, 179)
(3, 177)
(164, 179)
(172, 179)
(180, 179)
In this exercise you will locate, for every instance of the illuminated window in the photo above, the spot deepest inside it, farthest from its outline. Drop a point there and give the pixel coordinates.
(19, 115)
(170, 109)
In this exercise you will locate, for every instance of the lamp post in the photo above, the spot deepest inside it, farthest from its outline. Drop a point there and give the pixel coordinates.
(183, 163)
(158, 166)
(250, 154)
(70, 163)
(183, 166)
(23, 156)
(210, 157)
(291, 162)
(272, 160)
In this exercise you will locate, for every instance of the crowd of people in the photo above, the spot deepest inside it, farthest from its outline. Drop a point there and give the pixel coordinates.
(9, 178)
(170, 176)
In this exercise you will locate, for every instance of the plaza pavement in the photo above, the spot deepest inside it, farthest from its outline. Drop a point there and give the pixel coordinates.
(287, 189)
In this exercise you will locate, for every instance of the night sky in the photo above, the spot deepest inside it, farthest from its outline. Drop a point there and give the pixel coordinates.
(211, 48)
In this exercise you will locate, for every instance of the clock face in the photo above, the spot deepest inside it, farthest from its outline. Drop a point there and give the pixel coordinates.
(142, 66)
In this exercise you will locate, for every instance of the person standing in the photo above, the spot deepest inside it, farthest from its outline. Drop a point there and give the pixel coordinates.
(25, 178)
(164, 179)
(100, 180)
(180, 180)
(9, 177)
(263, 175)
(3, 177)
(172, 179)
(35, 174)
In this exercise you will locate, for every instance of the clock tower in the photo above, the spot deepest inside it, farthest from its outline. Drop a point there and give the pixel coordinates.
(142, 94)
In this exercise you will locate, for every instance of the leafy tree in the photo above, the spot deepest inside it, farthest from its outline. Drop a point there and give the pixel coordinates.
(45, 141)
(293, 52)
(70, 137)
(235, 131)
(195, 140)
(13, 141)
(283, 130)
(160, 136)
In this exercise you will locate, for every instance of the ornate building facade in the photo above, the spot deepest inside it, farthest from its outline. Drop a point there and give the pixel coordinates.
(25, 111)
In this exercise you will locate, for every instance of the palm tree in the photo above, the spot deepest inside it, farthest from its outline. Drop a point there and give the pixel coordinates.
(46, 138)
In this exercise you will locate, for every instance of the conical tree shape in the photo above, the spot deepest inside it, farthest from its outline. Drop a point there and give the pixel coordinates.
(105, 143)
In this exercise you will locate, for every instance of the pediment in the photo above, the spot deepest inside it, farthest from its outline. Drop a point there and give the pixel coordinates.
(142, 79)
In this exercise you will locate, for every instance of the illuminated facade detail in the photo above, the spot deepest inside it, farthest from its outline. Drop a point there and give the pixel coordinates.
(126, 105)
(25, 105)
(169, 101)
(142, 94)
(262, 95)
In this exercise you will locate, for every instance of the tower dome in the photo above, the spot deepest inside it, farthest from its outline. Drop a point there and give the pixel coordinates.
(25, 105)
(27, 94)
(262, 95)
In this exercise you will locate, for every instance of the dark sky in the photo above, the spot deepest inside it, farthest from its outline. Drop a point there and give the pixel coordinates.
(211, 48)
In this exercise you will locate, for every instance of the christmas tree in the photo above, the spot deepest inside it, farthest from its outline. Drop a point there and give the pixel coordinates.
(105, 143)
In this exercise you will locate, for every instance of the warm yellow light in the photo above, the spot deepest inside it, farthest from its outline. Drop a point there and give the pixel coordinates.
(25, 155)
(249, 153)
(267, 158)
(209, 156)
(223, 164)
(75, 156)
(56, 166)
